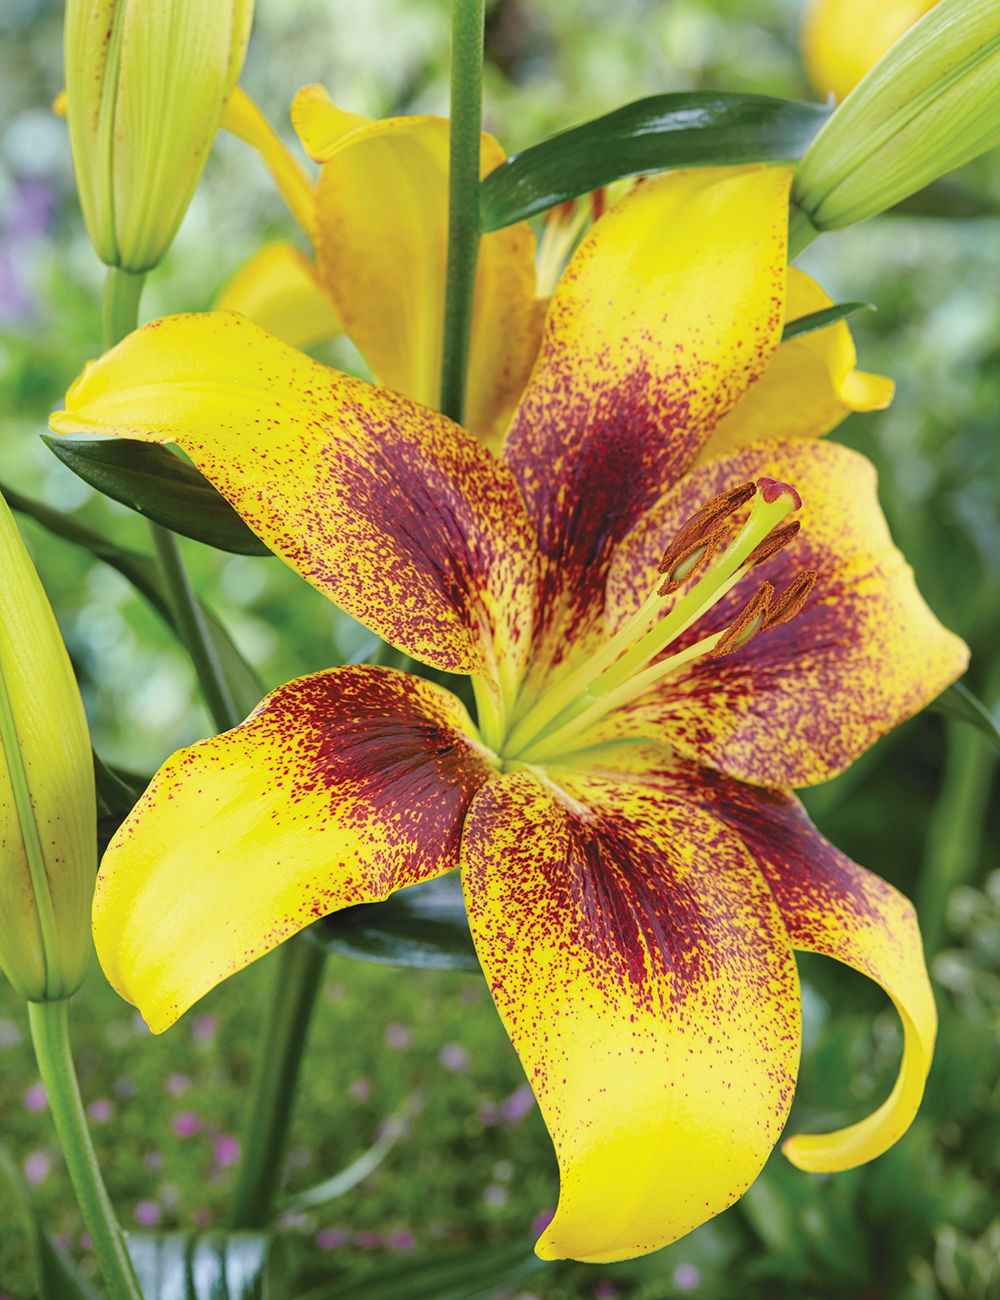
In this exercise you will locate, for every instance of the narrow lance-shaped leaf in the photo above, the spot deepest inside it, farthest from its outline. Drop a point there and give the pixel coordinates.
(959, 702)
(819, 320)
(462, 1275)
(681, 129)
(156, 483)
(423, 925)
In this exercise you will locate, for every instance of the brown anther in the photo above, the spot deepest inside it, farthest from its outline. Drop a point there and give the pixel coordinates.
(598, 202)
(773, 542)
(704, 523)
(699, 553)
(791, 599)
(748, 623)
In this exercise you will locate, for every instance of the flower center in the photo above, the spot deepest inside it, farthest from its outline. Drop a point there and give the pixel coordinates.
(631, 662)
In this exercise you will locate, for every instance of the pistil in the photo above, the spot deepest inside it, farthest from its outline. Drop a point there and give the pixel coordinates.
(620, 670)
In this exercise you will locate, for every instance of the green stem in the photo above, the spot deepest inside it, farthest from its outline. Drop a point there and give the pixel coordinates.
(122, 291)
(467, 18)
(283, 1043)
(955, 835)
(50, 1035)
(801, 231)
(193, 630)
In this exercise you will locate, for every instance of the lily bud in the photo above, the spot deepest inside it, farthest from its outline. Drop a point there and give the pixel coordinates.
(147, 84)
(930, 104)
(48, 815)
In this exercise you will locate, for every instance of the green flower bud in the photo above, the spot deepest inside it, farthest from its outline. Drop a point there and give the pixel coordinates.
(931, 103)
(48, 814)
(147, 83)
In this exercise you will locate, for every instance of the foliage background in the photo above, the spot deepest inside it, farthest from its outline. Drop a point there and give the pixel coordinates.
(921, 1222)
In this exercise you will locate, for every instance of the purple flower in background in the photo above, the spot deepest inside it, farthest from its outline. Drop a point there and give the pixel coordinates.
(227, 1150)
(402, 1240)
(177, 1084)
(124, 1087)
(201, 1217)
(455, 1058)
(489, 1113)
(147, 1214)
(24, 221)
(686, 1277)
(153, 1161)
(85, 1241)
(62, 1240)
(606, 1290)
(101, 1110)
(332, 1238)
(37, 1167)
(36, 1099)
(367, 1239)
(397, 1036)
(541, 1221)
(185, 1124)
(518, 1104)
(203, 1031)
(360, 1089)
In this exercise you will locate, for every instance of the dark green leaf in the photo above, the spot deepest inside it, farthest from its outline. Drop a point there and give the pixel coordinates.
(144, 574)
(943, 199)
(464, 1275)
(215, 1266)
(422, 925)
(161, 486)
(57, 1275)
(683, 129)
(819, 320)
(959, 702)
(117, 790)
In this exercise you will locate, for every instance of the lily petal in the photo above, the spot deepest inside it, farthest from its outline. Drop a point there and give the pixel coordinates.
(832, 906)
(802, 700)
(340, 788)
(642, 970)
(277, 289)
(386, 507)
(668, 311)
(244, 119)
(381, 248)
(809, 387)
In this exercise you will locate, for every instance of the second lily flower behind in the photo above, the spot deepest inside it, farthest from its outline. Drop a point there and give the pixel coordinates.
(636, 869)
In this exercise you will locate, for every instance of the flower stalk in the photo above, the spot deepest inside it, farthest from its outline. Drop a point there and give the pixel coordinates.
(50, 1035)
(467, 29)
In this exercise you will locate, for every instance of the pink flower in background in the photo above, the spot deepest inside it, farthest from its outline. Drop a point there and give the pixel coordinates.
(367, 1239)
(147, 1214)
(203, 1031)
(201, 1217)
(687, 1277)
(85, 1241)
(153, 1161)
(360, 1089)
(227, 1150)
(402, 1240)
(23, 224)
(36, 1099)
(177, 1084)
(101, 1110)
(62, 1241)
(332, 1238)
(124, 1087)
(455, 1058)
(606, 1290)
(185, 1124)
(489, 1113)
(518, 1104)
(397, 1036)
(541, 1221)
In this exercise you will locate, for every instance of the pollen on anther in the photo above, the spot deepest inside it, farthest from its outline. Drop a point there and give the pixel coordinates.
(704, 523)
(751, 620)
(791, 600)
(772, 543)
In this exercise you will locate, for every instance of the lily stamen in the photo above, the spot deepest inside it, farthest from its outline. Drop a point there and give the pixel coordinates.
(748, 623)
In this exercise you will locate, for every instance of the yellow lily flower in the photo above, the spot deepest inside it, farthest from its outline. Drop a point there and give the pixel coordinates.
(842, 39)
(636, 869)
(379, 223)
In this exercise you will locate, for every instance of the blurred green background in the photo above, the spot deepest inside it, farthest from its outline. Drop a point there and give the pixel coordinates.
(476, 1166)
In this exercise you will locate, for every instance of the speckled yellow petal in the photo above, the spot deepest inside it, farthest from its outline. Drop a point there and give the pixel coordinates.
(832, 906)
(340, 788)
(277, 289)
(669, 309)
(842, 39)
(381, 249)
(244, 118)
(809, 387)
(642, 970)
(798, 703)
(385, 506)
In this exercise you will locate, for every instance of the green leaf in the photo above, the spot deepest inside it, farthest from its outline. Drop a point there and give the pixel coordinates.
(422, 925)
(959, 702)
(395, 1127)
(683, 129)
(57, 1276)
(944, 199)
(152, 480)
(463, 1275)
(144, 574)
(214, 1266)
(819, 320)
